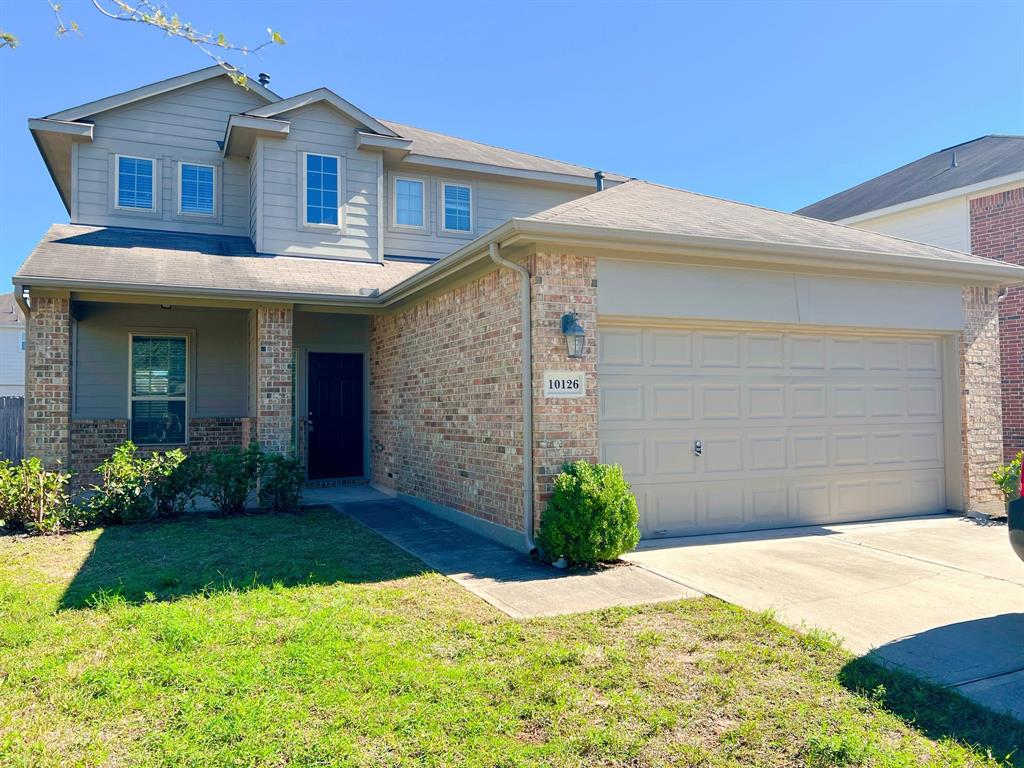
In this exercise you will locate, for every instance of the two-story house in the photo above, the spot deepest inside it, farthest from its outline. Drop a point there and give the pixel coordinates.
(452, 321)
(969, 197)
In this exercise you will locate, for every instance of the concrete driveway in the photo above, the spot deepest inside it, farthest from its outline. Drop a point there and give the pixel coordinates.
(942, 597)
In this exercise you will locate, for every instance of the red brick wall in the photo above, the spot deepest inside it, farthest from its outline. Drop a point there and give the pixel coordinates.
(445, 399)
(48, 380)
(997, 232)
(563, 429)
(274, 374)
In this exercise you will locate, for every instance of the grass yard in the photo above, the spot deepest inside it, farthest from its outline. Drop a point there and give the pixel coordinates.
(307, 640)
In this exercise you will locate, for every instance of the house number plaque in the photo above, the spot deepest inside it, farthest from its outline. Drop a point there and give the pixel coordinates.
(565, 384)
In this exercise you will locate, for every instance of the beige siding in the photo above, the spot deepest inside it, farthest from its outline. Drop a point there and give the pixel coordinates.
(494, 203)
(186, 124)
(319, 129)
(218, 357)
(12, 361)
(946, 224)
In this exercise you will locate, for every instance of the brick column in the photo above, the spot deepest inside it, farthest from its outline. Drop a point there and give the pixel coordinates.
(997, 232)
(48, 380)
(980, 400)
(273, 378)
(564, 429)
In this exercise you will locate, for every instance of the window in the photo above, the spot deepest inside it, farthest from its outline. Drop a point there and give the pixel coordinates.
(158, 389)
(458, 208)
(322, 190)
(408, 202)
(134, 183)
(195, 189)
(22, 341)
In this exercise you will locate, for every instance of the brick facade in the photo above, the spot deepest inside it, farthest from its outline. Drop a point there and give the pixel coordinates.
(445, 399)
(981, 400)
(273, 378)
(48, 380)
(563, 429)
(997, 232)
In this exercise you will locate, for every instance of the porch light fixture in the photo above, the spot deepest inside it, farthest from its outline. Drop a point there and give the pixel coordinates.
(574, 334)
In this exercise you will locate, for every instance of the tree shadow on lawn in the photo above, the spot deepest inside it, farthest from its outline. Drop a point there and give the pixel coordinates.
(160, 562)
(942, 712)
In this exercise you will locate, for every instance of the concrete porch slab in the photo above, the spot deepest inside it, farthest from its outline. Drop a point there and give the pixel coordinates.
(503, 577)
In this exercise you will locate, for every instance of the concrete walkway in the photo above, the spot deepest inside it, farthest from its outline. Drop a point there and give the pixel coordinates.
(504, 578)
(942, 597)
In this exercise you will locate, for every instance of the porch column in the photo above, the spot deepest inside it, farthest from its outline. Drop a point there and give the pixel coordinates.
(272, 402)
(981, 400)
(48, 379)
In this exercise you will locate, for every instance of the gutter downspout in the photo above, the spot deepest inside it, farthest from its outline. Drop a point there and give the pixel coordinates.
(527, 355)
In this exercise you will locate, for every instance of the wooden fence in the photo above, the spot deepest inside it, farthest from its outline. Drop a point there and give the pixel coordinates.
(12, 428)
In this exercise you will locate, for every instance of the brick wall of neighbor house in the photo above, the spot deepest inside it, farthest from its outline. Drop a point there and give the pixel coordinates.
(981, 400)
(997, 232)
(274, 377)
(564, 428)
(48, 381)
(446, 404)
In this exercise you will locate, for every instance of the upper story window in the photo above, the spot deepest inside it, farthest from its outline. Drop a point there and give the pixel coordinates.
(321, 190)
(196, 189)
(409, 199)
(457, 213)
(158, 390)
(134, 183)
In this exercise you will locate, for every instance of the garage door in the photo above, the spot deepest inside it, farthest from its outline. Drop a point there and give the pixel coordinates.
(725, 430)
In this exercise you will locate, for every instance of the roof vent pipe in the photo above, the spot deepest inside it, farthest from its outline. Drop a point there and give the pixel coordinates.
(952, 160)
(599, 180)
(264, 79)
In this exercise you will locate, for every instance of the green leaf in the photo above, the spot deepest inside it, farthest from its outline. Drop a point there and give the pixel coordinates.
(276, 37)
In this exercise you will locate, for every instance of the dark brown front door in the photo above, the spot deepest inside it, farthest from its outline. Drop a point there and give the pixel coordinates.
(335, 420)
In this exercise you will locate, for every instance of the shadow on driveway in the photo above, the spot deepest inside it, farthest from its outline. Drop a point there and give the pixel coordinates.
(983, 658)
(168, 561)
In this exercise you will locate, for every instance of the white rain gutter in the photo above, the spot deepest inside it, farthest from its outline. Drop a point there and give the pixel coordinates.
(527, 356)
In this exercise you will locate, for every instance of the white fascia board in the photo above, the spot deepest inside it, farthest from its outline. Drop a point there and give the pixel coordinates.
(76, 131)
(245, 128)
(445, 163)
(971, 190)
(155, 89)
(375, 141)
(330, 97)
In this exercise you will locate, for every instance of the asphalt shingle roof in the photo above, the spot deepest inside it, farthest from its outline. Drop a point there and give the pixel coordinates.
(197, 263)
(988, 157)
(645, 207)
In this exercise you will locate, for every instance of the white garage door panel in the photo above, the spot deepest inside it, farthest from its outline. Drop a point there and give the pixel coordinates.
(796, 428)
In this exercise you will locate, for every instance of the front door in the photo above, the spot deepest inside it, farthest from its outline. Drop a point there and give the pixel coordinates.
(335, 419)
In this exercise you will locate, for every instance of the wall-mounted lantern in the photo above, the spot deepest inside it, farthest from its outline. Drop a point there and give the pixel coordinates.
(574, 334)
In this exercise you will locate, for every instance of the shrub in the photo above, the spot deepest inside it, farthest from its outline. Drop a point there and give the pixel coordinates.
(230, 476)
(174, 479)
(37, 500)
(121, 497)
(592, 515)
(1007, 478)
(281, 483)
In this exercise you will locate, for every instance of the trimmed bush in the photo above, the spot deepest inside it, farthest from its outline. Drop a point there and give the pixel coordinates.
(174, 481)
(1007, 478)
(281, 482)
(230, 476)
(592, 516)
(36, 500)
(121, 496)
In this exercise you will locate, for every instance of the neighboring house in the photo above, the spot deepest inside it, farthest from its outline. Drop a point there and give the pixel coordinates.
(969, 198)
(395, 306)
(12, 347)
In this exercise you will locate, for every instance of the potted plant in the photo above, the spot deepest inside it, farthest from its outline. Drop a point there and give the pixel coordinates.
(1010, 481)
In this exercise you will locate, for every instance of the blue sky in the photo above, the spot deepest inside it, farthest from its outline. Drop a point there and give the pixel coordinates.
(777, 104)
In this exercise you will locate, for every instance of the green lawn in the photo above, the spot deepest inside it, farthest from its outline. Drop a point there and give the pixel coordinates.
(308, 640)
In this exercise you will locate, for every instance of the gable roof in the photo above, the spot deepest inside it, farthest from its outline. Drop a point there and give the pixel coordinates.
(639, 208)
(440, 145)
(10, 312)
(155, 89)
(982, 159)
(327, 96)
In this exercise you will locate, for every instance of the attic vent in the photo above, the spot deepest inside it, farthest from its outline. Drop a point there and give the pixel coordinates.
(952, 160)
(264, 79)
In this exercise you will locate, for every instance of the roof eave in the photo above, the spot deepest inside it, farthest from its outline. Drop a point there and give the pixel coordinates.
(63, 133)
(243, 130)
